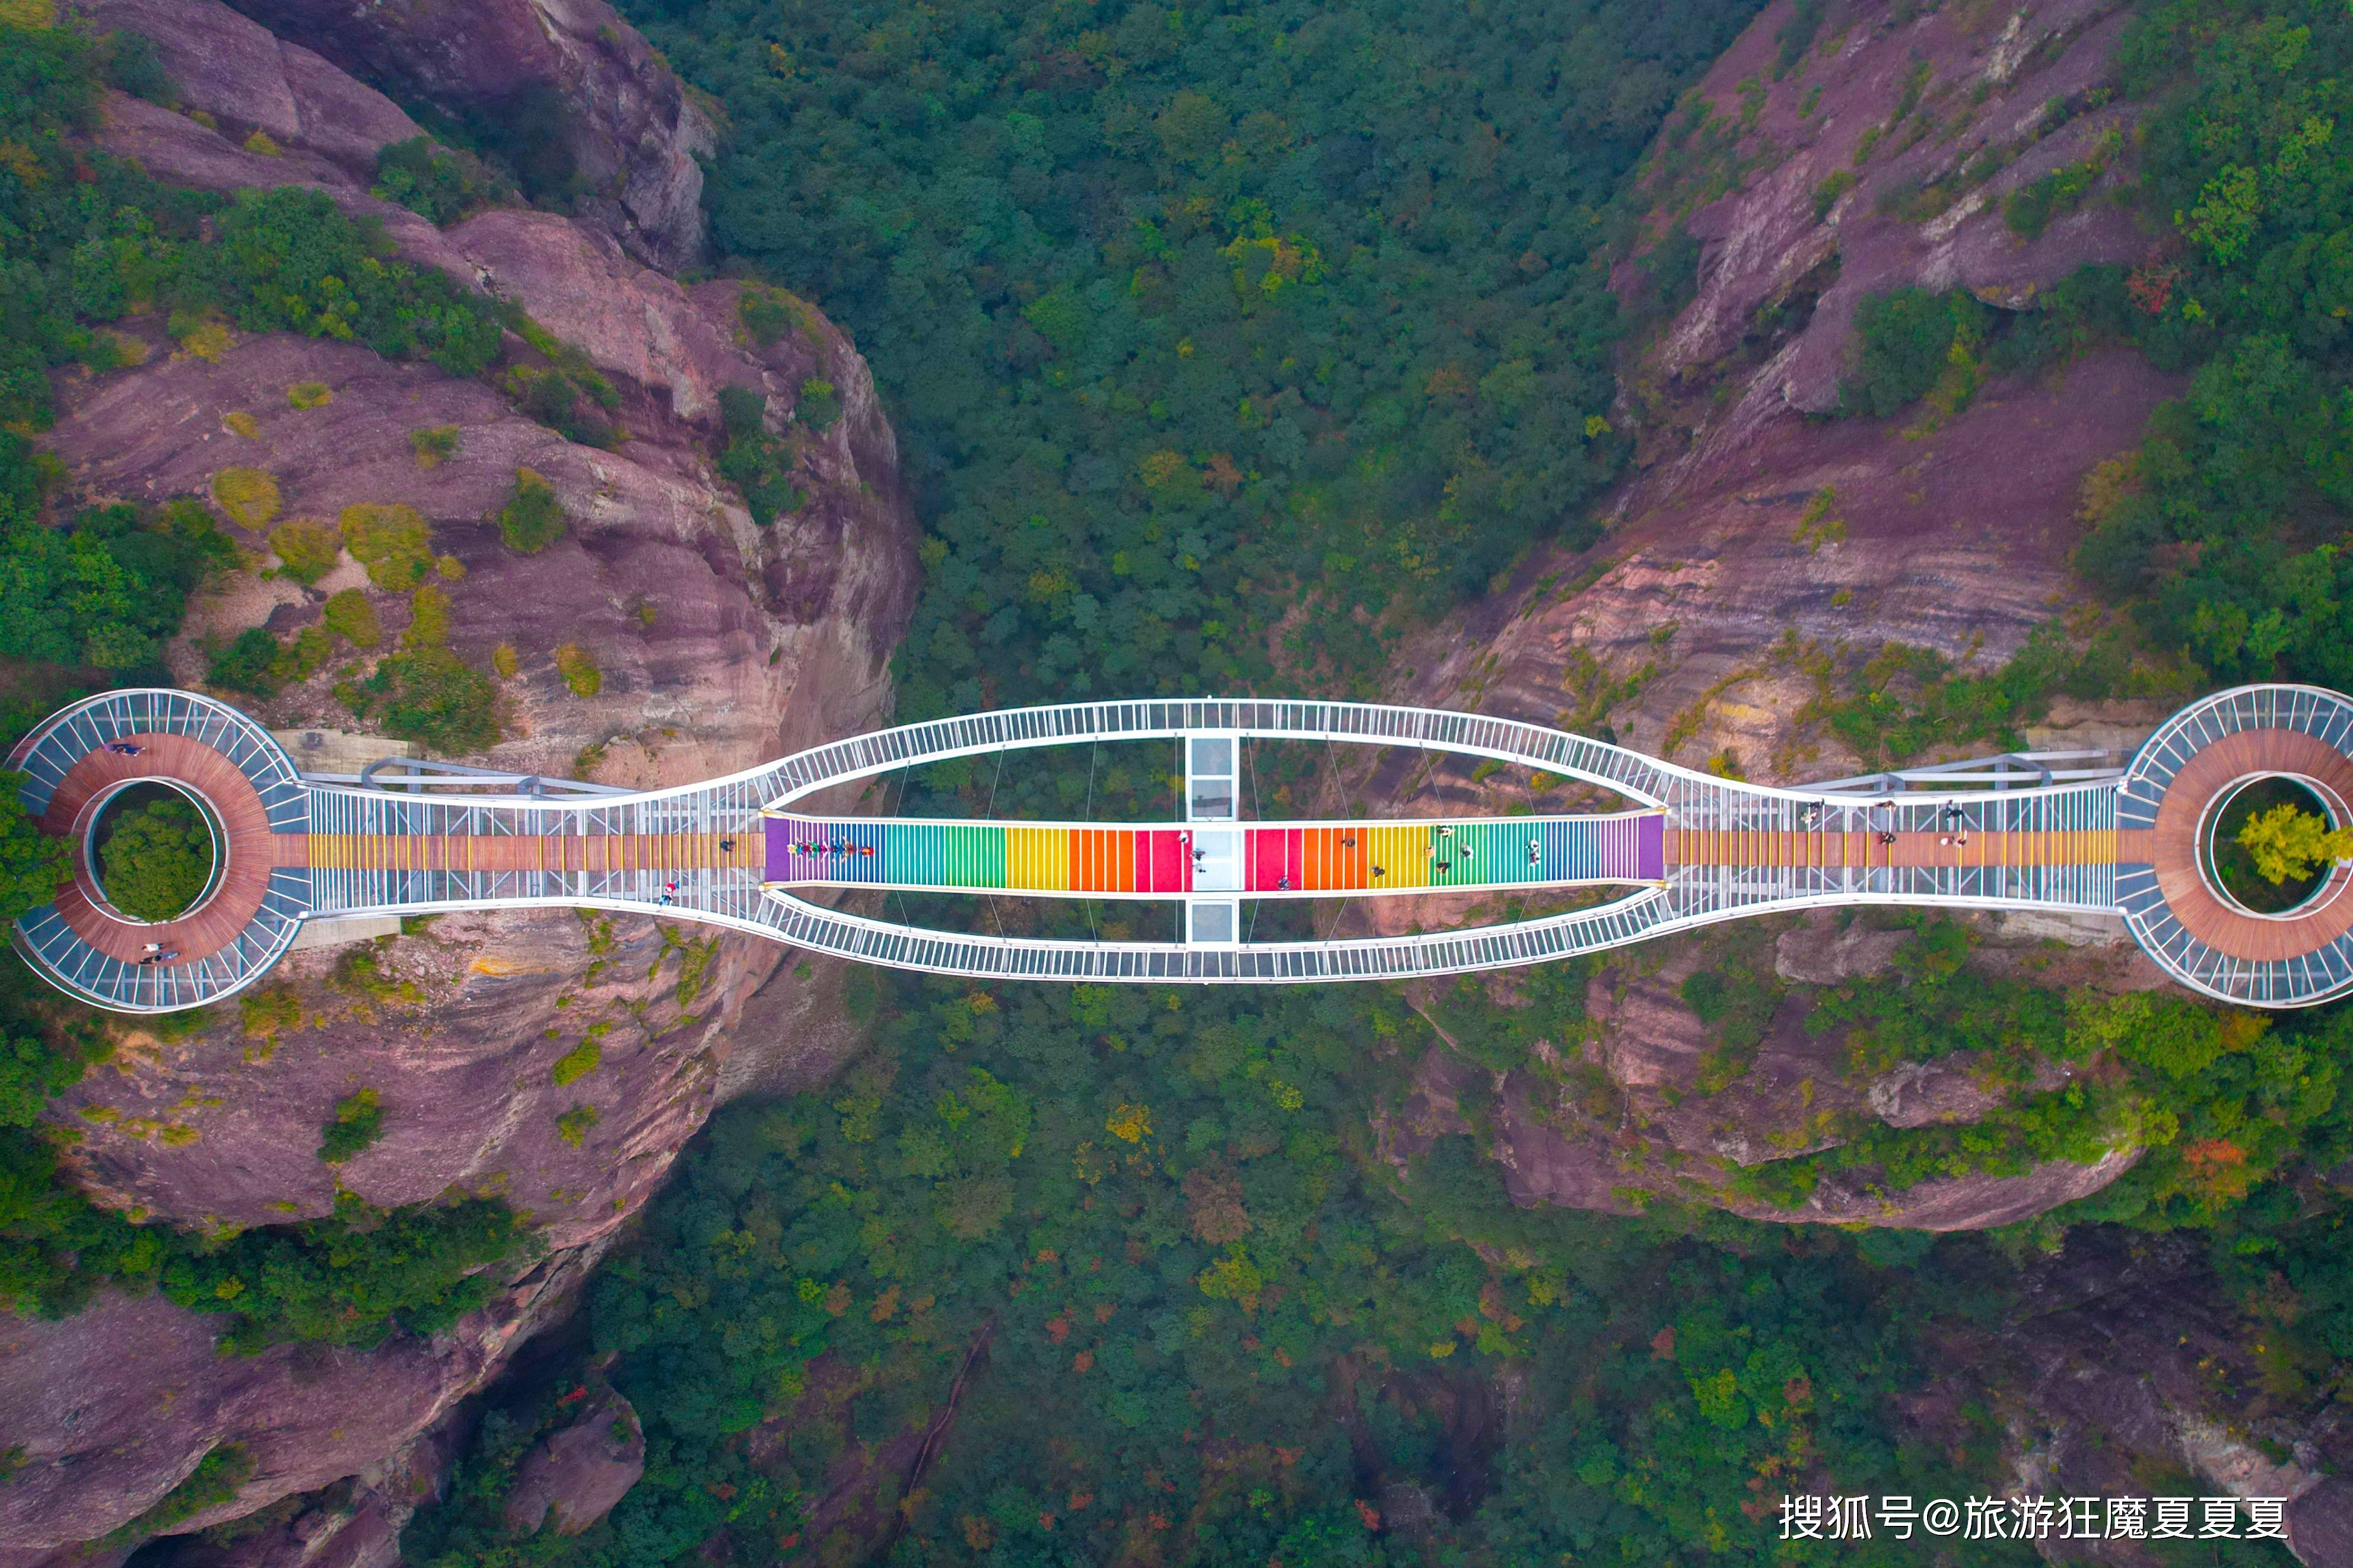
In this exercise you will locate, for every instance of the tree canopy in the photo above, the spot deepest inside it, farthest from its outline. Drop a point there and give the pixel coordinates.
(33, 864)
(1195, 323)
(156, 863)
(2288, 843)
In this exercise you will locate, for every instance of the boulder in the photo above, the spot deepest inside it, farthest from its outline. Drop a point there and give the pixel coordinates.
(2320, 1524)
(1821, 954)
(580, 1471)
(236, 71)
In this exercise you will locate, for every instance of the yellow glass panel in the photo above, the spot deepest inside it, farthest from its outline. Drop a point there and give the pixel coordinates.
(1038, 858)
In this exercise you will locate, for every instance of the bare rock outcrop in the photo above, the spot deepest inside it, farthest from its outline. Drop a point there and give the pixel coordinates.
(615, 131)
(115, 1407)
(1760, 550)
(1820, 957)
(1699, 620)
(580, 1471)
(1646, 1101)
(715, 643)
(1755, 536)
(242, 75)
(352, 1524)
(1882, 160)
(2132, 1359)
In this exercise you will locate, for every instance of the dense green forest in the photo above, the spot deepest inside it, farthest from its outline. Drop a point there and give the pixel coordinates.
(2232, 515)
(1187, 1302)
(1222, 341)
(1196, 319)
(1180, 312)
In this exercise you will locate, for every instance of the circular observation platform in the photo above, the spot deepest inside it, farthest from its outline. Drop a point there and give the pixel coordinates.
(2168, 800)
(253, 801)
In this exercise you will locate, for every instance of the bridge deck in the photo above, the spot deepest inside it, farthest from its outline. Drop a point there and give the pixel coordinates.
(1699, 849)
(78, 797)
(1912, 848)
(2226, 930)
(463, 852)
(1132, 860)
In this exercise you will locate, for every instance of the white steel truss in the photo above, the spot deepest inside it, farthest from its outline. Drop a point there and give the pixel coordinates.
(535, 849)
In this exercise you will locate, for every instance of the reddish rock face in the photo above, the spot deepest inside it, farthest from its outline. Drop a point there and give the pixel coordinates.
(718, 643)
(1705, 600)
(1623, 1114)
(1757, 538)
(136, 1389)
(243, 75)
(1824, 956)
(622, 120)
(581, 1471)
(1992, 75)
(1952, 535)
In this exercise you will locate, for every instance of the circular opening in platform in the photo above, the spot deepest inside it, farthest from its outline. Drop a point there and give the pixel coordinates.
(155, 851)
(2280, 804)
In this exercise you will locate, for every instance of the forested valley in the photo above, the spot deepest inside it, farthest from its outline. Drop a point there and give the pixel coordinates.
(1227, 342)
(1202, 325)
(1227, 346)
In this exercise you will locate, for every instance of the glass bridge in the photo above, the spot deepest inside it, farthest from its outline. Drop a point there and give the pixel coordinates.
(2059, 831)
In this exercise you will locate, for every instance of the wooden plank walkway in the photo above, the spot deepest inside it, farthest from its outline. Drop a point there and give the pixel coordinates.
(244, 883)
(593, 853)
(2217, 925)
(1865, 851)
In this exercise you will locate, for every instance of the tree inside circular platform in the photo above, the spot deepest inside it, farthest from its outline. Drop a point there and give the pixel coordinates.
(2273, 846)
(156, 860)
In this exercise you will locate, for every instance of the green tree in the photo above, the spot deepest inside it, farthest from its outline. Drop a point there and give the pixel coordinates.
(2225, 531)
(247, 662)
(532, 517)
(2288, 843)
(354, 1277)
(441, 186)
(754, 461)
(1905, 341)
(33, 864)
(156, 861)
(357, 1122)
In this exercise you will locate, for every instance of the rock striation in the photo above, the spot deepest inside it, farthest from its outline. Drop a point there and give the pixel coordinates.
(1759, 546)
(557, 1060)
(618, 137)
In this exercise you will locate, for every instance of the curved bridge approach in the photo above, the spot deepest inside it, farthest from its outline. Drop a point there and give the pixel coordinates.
(2069, 832)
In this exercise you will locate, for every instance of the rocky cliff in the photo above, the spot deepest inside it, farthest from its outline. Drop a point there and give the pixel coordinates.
(598, 121)
(664, 637)
(1690, 629)
(1765, 547)
(2129, 1368)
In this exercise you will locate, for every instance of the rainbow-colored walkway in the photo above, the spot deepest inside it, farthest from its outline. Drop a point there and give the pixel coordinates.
(1131, 861)
(746, 852)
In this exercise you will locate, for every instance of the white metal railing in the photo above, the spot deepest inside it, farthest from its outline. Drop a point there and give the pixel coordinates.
(734, 897)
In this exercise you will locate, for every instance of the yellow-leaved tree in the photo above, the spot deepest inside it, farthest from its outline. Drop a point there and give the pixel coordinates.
(2288, 843)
